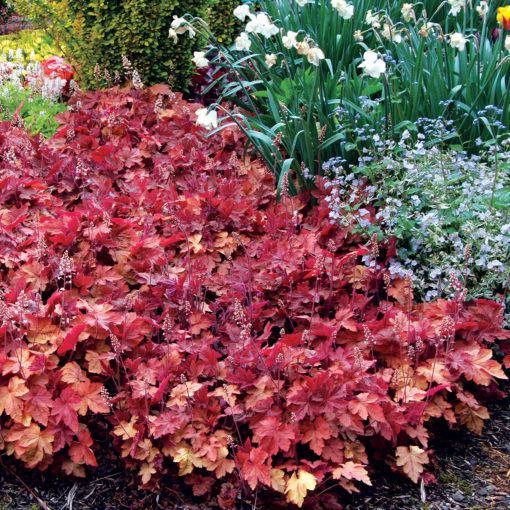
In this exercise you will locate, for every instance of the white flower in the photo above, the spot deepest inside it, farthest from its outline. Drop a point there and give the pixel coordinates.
(458, 41)
(456, 6)
(172, 34)
(207, 119)
(372, 19)
(482, 9)
(408, 12)
(271, 60)
(302, 48)
(241, 12)
(507, 43)
(181, 26)
(343, 8)
(199, 59)
(289, 40)
(372, 64)
(358, 36)
(301, 3)
(243, 42)
(389, 33)
(315, 55)
(261, 24)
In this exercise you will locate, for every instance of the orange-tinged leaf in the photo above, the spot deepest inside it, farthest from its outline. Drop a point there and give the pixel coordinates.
(316, 433)
(147, 469)
(71, 373)
(273, 436)
(126, 430)
(38, 403)
(91, 398)
(352, 471)
(255, 469)
(64, 408)
(298, 486)
(187, 459)
(277, 479)
(412, 459)
(472, 416)
(9, 398)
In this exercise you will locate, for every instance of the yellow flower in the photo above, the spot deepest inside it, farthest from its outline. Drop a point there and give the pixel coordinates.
(504, 16)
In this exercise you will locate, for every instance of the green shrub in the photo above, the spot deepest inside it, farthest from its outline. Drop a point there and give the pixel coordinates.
(101, 32)
(222, 22)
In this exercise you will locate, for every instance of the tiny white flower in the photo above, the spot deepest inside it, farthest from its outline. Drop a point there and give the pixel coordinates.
(372, 64)
(458, 41)
(199, 59)
(242, 12)
(207, 119)
(345, 10)
(315, 55)
(271, 60)
(507, 43)
(243, 42)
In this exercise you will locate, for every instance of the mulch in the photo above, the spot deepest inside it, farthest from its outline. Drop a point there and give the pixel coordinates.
(473, 473)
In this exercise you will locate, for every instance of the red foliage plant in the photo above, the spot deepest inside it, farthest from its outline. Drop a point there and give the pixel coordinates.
(153, 288)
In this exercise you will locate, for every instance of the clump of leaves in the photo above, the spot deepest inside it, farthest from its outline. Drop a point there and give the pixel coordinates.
(152, 285)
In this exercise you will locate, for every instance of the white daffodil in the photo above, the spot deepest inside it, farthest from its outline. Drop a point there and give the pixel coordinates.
(242, 12)
(358, 36)
(261, 24)
(482, 9)
(207, 119)
(372, 19)
(181, 26)
(507, 43)
(172, 34)
(301, 3)
(315, 55)
(243, 42)
(455, 6)
(390, 34)
(458, 41)
(372, 64)
(271, 60)
(345, 10)
(199, 59)
(289, 40)
(408, 12)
